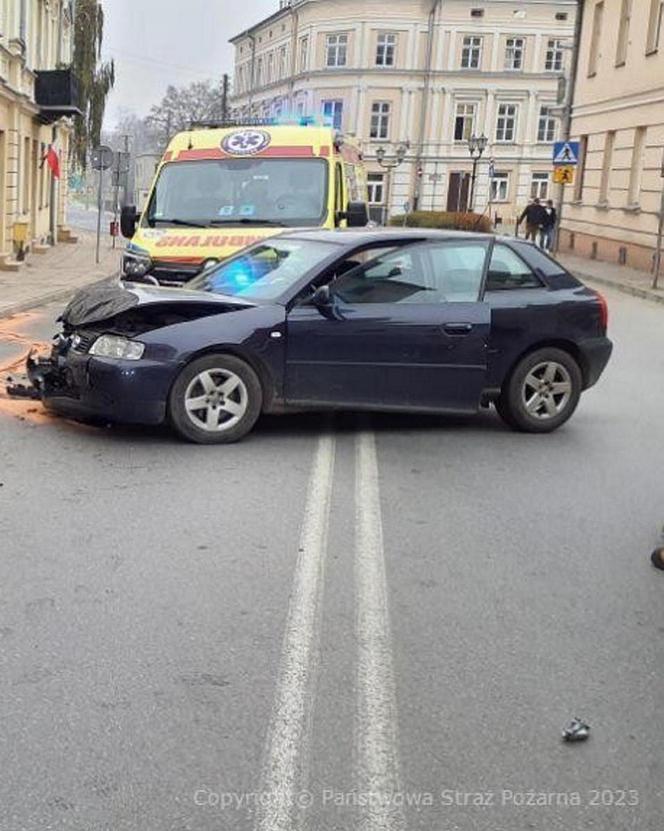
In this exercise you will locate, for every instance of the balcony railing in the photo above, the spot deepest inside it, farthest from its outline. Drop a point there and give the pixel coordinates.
(56, 94)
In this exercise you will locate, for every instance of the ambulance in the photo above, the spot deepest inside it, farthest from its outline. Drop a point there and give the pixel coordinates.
(218, 189)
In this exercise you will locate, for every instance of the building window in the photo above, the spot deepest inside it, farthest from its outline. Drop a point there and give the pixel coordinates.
(386, 49)
(471, 53)
(623, 32)
(336, 50)
(506, 123)
(561, 15)
(514, 50)
(654, 25)
(500, 187)
(477, 12)
(282, 62)
(546, 126)
(304, 54)
(634, 193)
(598, 15)
(464, 122)
(380, 120)
(581, 168)
(269, 76)
(539, 186)
(259, 72)
(554, 56)
(607, 164)
(333, 113)
(376, 187)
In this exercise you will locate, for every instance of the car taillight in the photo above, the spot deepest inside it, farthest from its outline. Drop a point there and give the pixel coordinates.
(603, 311)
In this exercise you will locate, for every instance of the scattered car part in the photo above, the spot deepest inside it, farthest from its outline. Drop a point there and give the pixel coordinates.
(657, 558)
(576, 731)
(23, 391)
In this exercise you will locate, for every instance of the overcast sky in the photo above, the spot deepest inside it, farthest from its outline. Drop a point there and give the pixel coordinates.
(159, 42)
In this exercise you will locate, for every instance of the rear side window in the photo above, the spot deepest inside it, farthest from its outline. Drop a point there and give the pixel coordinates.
(508, 271)
(541, 261)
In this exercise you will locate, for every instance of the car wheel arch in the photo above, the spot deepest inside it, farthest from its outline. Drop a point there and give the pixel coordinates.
(251, 359)
(551, 343)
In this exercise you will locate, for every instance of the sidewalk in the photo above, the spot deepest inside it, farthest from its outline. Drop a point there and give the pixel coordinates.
(627, 280)
(55, 275)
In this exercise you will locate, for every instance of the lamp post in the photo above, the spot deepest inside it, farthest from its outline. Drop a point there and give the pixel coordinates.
(390, 162)
(476, 147)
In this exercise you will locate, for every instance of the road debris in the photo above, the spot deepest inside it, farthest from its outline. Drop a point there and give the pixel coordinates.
(22, 391)
(576, 731)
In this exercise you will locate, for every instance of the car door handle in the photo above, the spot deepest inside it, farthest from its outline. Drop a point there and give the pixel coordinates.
(458, 329)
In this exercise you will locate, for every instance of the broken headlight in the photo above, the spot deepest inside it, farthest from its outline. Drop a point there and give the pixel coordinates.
(115, 346)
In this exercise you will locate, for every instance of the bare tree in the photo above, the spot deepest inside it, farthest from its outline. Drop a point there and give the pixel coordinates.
(200, 101)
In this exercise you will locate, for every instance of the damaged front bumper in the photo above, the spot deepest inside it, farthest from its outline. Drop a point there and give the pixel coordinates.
(84, 387)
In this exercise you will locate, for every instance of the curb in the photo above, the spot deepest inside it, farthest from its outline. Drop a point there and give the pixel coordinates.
(44, 300)
(625, 288)
(53, 297)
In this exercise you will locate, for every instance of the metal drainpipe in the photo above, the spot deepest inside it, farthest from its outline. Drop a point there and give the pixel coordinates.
(567, 117)
(425, 97)
(253, 74)
(294, 38)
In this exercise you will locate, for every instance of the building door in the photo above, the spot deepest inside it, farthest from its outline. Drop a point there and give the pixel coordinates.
(457, 191)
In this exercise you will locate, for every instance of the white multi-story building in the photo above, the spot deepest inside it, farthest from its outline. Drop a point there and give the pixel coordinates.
(431, 74)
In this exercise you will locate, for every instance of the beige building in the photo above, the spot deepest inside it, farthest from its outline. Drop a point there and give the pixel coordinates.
(611, 213)
(428, 73)
(36, 99)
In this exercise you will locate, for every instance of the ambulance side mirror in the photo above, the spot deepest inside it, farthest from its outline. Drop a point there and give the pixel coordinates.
(128, 220)
(357, 215)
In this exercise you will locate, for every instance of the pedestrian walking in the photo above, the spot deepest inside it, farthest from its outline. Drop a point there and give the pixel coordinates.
(548, 229)
(535, 217)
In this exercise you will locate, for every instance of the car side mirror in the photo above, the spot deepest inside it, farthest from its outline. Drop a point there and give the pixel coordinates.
(357, 215)
(322, 297)
(324, 300)
(128, 220)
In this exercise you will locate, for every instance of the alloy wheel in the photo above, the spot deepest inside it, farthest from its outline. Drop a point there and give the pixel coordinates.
(215, 400)
(546, 390)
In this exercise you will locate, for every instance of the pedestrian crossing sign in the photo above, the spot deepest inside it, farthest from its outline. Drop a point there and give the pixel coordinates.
(566, 152)
(563, 175)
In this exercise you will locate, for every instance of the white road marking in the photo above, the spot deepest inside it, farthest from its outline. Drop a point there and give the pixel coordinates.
(284, 776)
(378, 771)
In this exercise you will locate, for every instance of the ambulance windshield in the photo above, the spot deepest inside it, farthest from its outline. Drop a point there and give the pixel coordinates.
(214, 192)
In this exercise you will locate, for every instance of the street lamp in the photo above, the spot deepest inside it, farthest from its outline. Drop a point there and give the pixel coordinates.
(476, 147)
(390, 162)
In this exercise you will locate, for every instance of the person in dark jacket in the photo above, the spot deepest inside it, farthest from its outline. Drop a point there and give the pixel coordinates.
(549, 227)
(535, 217)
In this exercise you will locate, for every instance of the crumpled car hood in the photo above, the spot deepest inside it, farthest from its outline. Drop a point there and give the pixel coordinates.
(106, 302)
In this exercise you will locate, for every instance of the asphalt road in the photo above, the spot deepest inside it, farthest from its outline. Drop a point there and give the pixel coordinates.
(79, 217)
(259, 636)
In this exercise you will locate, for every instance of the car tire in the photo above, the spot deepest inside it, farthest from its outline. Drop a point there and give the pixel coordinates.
(216, 399)
(542, 392)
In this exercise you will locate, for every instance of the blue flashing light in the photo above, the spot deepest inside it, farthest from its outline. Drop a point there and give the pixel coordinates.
(298, 120)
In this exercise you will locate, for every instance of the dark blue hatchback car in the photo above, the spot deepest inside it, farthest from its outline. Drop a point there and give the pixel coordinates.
(403, 320)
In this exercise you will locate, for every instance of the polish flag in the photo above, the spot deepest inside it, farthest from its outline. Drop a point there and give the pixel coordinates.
(52, 160)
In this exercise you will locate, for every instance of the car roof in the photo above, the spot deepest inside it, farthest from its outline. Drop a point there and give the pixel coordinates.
(351, 237)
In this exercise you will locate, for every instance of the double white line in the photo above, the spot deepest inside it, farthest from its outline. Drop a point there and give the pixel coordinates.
(284, 776)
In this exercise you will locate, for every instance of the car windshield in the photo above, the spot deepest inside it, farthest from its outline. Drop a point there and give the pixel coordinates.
(265, 271)
(216, 192)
